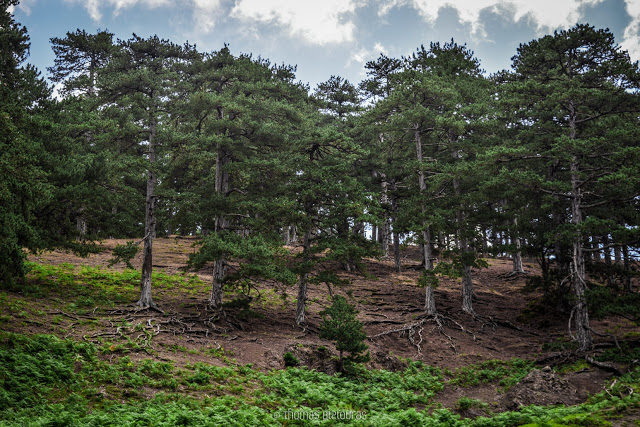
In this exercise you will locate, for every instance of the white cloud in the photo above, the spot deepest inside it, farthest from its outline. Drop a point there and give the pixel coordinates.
(316, 21)
(545, 14)
(24, 5)
(631, 37)
(94, 7)
(363, 55)
(205, 13)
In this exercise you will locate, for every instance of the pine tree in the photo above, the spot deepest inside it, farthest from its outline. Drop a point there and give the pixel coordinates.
(575, 98)
(324, 190)
(339, 324)
(139, 80)
(435, 107)
(79, 57)
(385, 162)
(242, 118)
(25, 189)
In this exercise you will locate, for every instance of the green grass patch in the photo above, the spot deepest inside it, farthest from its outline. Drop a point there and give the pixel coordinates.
(84, 288)
(505, 373)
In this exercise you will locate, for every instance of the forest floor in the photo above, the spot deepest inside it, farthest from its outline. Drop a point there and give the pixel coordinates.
(507, 324)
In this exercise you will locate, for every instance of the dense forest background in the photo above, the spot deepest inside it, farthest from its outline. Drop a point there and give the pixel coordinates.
(145, 138)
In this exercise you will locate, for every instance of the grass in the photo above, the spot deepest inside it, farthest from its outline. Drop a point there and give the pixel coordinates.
(505, 373)
(81, 289)
(45, 380)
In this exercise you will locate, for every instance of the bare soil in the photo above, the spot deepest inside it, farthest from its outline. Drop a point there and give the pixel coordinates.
(390, 307)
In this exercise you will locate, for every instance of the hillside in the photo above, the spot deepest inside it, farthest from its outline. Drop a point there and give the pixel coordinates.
(497, 361)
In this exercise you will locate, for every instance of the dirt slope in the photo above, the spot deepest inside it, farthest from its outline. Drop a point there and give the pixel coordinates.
(390, 306)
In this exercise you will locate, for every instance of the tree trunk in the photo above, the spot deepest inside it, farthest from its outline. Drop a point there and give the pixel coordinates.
(485, 243)
(627, 269)
(467, 290)
(463, 246)
(221, 224)
(517, 254)
(358, 228)
(81, 224)
(611, 280)
(595, 245)
(617, 254)
(396, 234)
(302, 284)
(396, 251)
(583, 330)
(385, 230)
(146, 301)
(217, 289)
(374, 233)
(426, 247)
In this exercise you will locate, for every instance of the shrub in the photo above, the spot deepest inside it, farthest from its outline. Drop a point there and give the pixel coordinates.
(339, 324)
(290, 360)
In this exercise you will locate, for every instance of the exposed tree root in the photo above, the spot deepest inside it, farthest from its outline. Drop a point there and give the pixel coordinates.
(414, 331)
(606, 366)
(606, 334)
(149, 307)
(514, 274)
(307, 329)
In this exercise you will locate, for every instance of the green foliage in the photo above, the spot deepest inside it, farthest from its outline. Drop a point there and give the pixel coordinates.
(27, 155)
(605, 302)
(48, 381)
(629, 352)
(466, 403)
(560, 344)
(339, 324)
(33, 368)
(124, 253)
(259, 256)
(457, 261)
(290, 360)
(429, 278)
(506, 373)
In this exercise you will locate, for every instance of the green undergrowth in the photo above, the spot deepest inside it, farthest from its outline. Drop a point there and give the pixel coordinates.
(505, 373)
(48, 381)
(97, 286)
(604, 302)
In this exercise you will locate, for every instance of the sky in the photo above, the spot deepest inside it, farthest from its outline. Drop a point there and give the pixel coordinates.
(330, 37)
